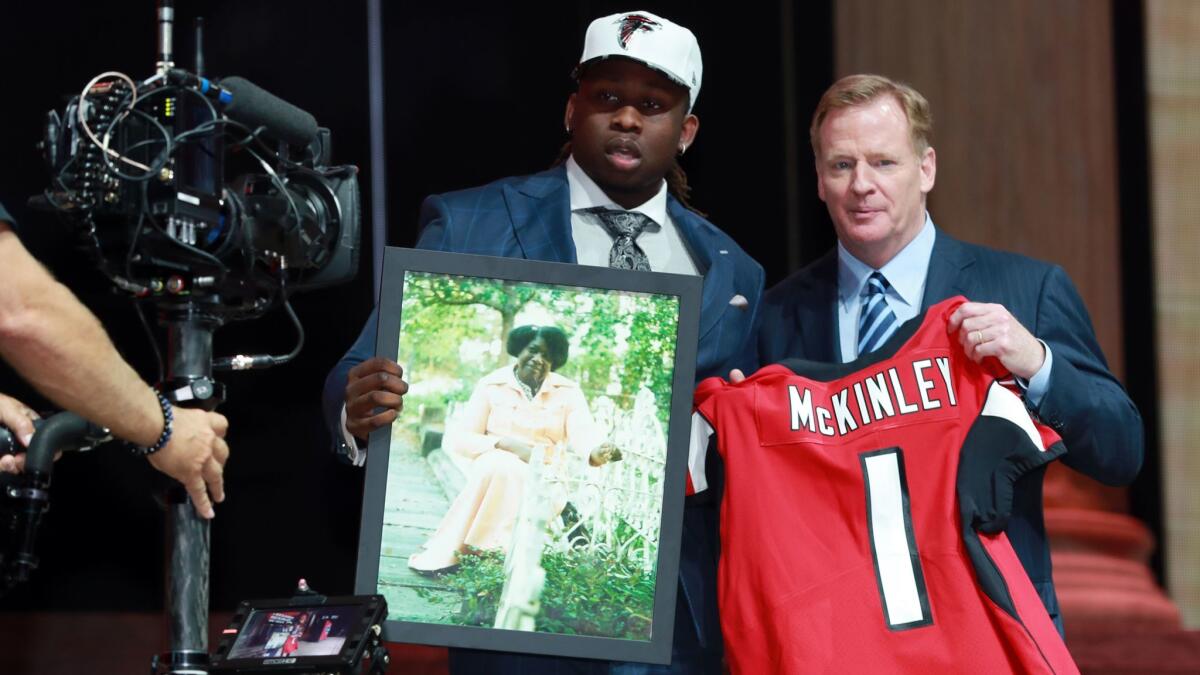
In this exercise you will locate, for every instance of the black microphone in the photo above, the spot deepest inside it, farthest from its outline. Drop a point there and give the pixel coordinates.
(255, 107)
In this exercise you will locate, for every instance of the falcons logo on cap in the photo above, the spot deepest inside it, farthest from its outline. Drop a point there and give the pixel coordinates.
(632, 23)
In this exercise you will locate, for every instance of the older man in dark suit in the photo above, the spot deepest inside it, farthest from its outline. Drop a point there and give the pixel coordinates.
(875, 167)
(620, 200)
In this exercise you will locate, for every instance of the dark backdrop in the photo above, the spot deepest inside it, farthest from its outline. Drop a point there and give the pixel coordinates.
(472, 94)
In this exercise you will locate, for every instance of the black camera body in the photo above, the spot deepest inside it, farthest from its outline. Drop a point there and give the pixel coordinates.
(212, 201)
(175, 193)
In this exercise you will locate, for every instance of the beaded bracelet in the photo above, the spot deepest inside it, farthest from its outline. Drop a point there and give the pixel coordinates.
(165, 436)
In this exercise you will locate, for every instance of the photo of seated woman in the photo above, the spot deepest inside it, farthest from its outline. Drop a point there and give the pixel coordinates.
(526, 469)
(517, 414)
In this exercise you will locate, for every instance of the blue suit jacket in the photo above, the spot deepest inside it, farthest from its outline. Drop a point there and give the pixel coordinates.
(1084, 402)
(530, 217)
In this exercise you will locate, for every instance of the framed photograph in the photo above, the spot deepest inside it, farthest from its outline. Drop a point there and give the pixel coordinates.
(529, 497)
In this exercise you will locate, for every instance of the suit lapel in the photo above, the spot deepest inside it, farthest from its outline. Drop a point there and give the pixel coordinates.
(816, 311)
(540, 209)
(946, 265)
(713, 263)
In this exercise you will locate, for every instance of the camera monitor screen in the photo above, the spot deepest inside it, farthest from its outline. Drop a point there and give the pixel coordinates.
(300, 635)
(301, 631)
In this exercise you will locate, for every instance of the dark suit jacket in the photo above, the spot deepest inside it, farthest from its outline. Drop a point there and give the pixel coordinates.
(530, 217)
(1084, 402)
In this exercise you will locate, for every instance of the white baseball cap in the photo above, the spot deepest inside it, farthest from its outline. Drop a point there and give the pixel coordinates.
(659, 43)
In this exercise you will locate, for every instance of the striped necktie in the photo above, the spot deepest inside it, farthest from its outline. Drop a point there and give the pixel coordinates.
(876, 321)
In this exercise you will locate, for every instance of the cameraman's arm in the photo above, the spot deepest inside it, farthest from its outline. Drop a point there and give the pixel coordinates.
(59, 347)
(56, 344)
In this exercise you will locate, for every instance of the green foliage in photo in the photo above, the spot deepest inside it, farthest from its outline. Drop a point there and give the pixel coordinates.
(593, 594)
(453, 331)
(585, 594)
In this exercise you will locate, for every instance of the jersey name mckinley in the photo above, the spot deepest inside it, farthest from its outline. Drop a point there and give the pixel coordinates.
(863, 513)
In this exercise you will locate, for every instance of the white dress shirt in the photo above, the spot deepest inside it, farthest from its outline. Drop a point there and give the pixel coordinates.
(660, 241)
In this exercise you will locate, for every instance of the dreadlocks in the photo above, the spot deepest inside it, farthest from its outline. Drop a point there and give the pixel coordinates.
(677, 183)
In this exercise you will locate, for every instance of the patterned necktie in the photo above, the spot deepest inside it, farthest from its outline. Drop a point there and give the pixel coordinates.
(624, 227)
(876, 321)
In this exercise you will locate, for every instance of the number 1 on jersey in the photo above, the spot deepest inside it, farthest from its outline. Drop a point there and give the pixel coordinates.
(893, 543)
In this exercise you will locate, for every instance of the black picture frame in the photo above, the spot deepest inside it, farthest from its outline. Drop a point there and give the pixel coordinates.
(399, 262)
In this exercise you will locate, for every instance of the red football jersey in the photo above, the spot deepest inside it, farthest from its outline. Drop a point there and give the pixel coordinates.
(863, 513)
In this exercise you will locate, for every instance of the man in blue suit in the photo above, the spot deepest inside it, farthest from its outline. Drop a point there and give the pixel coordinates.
(619, 199)
(875, 167)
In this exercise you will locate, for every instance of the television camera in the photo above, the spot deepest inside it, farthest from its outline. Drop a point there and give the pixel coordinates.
(211, 201)
(213, 192)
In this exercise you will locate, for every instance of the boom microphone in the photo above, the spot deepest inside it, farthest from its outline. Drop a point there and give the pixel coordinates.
(256, 107)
